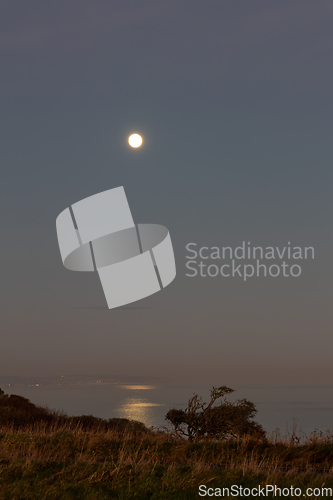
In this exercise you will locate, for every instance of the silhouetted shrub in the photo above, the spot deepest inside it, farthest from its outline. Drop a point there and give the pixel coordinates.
(18, 412)
(228, 420)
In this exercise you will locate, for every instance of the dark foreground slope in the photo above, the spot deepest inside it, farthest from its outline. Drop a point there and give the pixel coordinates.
(44, 455)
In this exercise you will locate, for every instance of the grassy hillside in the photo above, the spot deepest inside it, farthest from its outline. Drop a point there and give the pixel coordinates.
(44, 455)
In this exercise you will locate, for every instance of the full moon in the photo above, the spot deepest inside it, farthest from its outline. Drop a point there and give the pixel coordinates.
(135, 140)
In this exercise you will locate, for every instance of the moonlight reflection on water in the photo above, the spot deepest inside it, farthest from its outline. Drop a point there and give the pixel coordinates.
(139, 387)
(138, 409)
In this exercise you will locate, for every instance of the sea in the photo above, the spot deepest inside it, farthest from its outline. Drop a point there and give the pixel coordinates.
(281, 410)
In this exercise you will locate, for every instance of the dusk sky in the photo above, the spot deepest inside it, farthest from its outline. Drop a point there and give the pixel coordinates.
(234, 102)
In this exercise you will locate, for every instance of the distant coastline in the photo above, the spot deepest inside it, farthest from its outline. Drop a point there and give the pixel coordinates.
(74, 381)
